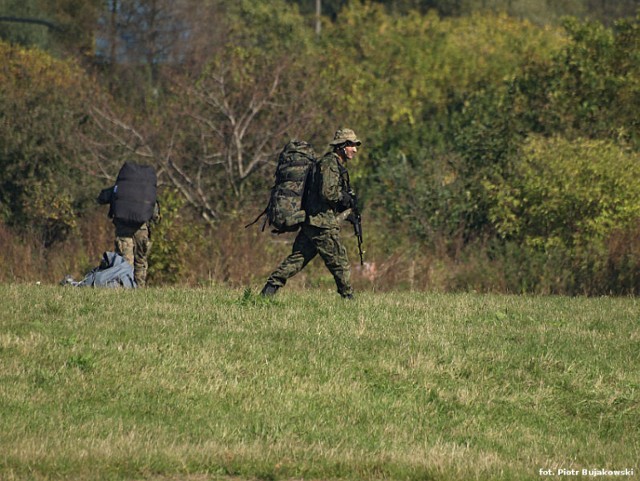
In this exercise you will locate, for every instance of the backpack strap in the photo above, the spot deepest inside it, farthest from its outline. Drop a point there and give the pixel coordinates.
(291, 193)
(299, 163)
(258, 218)
(311, 172)
(344, 173)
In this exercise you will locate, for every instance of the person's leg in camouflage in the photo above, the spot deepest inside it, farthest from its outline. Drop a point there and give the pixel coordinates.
(334, 255)
(141, 248)
(124, 246)
(133, 243)
(302, 252)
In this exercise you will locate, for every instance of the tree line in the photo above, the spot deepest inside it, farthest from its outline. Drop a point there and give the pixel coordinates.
(500, 147)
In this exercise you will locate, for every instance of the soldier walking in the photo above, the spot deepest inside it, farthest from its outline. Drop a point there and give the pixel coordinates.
(328, 194)
(133, 209)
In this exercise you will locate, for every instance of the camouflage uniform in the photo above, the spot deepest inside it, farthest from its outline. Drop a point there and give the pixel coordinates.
(133, 242)
(320, 233)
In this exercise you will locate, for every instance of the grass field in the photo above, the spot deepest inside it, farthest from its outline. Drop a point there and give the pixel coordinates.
(215, 383)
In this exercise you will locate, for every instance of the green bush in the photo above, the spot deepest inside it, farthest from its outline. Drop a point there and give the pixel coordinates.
(568, 194)
(42, 105)
(567, 200)
(177, 242)
(588, 89)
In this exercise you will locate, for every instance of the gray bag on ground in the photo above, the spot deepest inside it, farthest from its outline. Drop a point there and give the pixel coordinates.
(113, 271)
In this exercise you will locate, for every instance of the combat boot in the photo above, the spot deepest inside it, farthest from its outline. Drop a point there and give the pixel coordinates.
(269, 290)
(348, 297)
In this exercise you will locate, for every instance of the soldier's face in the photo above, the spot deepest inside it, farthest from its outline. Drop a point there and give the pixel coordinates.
(350, 151)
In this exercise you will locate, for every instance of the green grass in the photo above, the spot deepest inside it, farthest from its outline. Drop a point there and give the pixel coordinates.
(215, 383)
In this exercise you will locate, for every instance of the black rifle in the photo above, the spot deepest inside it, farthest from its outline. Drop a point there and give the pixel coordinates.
(354, 217)
(356, 220)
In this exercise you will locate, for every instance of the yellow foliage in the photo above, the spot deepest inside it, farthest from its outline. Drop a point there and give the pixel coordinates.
(27, 69)
(568, 192)
(389, 69)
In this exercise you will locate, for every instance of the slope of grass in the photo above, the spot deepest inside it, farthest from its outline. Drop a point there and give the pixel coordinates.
(215, 383)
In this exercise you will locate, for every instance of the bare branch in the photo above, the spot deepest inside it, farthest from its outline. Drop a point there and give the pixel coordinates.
(191, 191)
(35, 21)
(141, 143)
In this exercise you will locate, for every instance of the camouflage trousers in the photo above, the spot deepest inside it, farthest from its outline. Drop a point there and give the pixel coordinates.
(310, 242)
(135, 247)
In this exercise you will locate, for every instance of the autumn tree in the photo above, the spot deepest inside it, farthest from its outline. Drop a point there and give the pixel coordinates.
(42, 106)
(218, 130)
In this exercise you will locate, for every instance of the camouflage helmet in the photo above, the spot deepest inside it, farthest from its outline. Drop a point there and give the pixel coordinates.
(342, 136)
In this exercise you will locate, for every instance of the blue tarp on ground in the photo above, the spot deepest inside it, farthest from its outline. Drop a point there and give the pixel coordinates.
(113, 271)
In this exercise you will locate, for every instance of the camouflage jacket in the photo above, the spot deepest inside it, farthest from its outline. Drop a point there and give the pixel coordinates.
(328, 193)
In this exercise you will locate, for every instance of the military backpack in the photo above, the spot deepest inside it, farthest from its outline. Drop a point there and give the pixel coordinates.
(285, 210)
(133, 197)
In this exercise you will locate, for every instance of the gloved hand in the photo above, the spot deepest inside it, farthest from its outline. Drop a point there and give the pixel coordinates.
(354, 198)
(346, 201)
